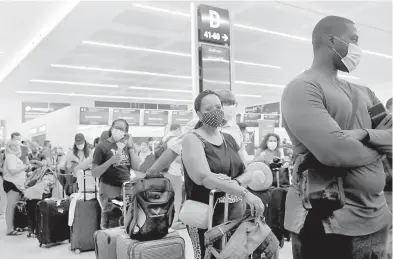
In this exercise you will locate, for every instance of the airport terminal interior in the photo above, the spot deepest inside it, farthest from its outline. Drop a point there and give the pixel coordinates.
(69, 67)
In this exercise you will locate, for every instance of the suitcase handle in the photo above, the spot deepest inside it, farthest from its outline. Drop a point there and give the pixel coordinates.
(211, 212)
(84, 186)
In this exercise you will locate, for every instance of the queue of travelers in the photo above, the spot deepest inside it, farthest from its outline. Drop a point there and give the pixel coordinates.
(335, 146)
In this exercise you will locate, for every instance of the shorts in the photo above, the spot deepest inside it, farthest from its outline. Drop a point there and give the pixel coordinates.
(9, 186)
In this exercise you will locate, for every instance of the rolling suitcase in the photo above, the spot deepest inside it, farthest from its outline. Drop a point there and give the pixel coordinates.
(105, 240)
(172, 246)
(52, 221)
(86, 222)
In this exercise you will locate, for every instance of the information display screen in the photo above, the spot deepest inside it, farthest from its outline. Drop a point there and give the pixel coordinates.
(155, 118)
(132, 116)
(93, 116)
(215, 67)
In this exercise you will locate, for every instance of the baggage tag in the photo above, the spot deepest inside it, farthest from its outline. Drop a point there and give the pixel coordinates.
(59, 209)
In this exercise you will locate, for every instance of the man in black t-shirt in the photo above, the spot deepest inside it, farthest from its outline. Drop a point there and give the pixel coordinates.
(36, 158)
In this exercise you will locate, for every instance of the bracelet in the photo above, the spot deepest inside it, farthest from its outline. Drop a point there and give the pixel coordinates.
(366, 139)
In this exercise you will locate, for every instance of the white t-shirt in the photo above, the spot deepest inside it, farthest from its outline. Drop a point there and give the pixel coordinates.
(13, 162)
(175, 168)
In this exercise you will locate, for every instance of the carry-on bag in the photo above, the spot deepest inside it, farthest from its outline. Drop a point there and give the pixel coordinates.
(52, 221)
(276, 213)
(105, 240)
(172, 246)
(20, 216)
(86, 222)
(151, 211)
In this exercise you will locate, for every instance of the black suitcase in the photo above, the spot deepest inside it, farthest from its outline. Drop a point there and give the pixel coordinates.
(276, 213)
(20, 216)
(52, 221)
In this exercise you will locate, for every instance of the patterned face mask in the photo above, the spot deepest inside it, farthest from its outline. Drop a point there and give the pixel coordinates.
(213, 118)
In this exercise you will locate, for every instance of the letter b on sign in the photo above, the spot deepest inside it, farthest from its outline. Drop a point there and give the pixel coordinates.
(214, 18)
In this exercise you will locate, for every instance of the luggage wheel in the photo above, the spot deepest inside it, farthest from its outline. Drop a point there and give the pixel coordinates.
(40, 245)
(77, 251)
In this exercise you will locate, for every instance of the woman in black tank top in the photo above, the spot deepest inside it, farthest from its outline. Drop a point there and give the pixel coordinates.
(208, 153)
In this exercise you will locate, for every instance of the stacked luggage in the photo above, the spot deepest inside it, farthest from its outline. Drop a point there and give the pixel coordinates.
(148, 208)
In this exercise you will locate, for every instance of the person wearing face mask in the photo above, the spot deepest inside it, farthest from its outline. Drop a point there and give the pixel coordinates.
(268, 149)
(113, 160)
(229, 106)
(14, 181)
(77, 155)
(328, 117)
(144, 151)
(211, 161)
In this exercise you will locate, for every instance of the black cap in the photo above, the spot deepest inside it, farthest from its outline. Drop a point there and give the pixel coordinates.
(79, 139)
(242, 125)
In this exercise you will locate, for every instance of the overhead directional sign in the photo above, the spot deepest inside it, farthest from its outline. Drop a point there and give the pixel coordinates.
(213, 25)
(181, 117)
(155, 118)
(93, 116)
(132, 116)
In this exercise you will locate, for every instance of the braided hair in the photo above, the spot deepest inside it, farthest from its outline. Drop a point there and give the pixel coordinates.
(113, 124)
(198, 103)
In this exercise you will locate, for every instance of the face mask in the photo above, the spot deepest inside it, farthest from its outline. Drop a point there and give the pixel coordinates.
(229, 112)
(117, 134)
(80, 147)
(272, 145)
(213, 118)
(353, 57)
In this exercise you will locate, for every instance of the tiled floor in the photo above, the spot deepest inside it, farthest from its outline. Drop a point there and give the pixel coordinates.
(18, 247)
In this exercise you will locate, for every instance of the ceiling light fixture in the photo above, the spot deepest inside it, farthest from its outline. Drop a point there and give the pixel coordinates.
(216, 82)
(119, 71)
(110, 45)
(249, 95)
(259, 84)
(105, 96)
(21, 54)
(247, 27)
(159, 89)
(72, 83)
(102, 44)
(162, 10)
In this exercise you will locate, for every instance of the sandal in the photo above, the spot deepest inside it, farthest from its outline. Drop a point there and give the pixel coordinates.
(13, 233)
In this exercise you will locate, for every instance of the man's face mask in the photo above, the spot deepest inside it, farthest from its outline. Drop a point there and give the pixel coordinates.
(353, 57)
(229, 112)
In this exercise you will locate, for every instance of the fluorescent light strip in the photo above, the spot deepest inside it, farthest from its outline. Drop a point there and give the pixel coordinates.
(216, 82)
(107, 85)
(102, 44)
(259, 84)
(105, 96)
(252, 28)
(159, 89)
(215, 60)
(249, 95)
(20, 55)
(119, 71)
(157, 9)
(110, 45)
(72, 83)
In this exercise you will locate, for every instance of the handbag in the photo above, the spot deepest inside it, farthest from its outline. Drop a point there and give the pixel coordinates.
(321, 187)
(194, 214)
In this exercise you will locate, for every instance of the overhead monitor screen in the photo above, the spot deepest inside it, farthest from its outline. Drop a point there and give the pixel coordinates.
(215, 67)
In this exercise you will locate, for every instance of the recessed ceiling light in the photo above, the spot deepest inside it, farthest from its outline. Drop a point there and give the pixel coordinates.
(72, 83)
(247, 27)
(119, 71)
(259, 84)
(180, 54)
(105, 96)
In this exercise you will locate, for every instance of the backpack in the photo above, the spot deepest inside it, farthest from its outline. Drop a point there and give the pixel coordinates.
(37, 176)
(151, 210)
(152, 158)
